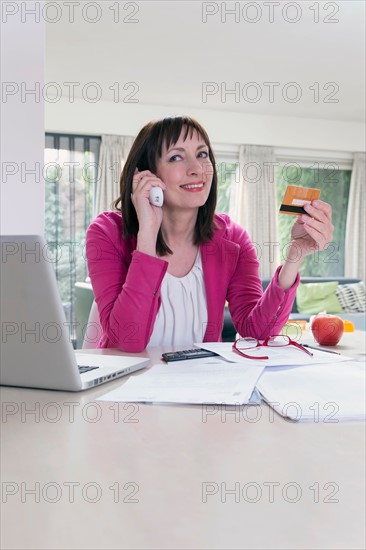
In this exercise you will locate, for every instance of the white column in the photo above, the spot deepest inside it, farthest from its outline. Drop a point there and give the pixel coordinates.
(22, 118)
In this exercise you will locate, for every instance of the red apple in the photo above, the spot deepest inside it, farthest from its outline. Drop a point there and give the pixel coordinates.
(327, 329)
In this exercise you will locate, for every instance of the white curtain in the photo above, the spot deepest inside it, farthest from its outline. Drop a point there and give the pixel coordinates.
(355, 254)
(253, 204)
(113, 155)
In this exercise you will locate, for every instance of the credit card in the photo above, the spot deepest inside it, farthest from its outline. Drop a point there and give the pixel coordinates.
(295, 197)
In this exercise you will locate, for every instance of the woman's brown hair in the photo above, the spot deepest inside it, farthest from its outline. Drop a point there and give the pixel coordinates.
(145, 151)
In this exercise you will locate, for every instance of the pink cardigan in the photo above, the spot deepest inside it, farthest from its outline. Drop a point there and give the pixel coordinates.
(126, 285)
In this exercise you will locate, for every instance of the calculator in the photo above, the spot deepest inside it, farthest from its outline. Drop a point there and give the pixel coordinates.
(196, 353)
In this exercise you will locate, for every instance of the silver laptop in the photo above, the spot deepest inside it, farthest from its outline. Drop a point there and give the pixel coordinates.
(35, 345)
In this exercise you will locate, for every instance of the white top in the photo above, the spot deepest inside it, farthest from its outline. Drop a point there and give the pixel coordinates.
(182, 316)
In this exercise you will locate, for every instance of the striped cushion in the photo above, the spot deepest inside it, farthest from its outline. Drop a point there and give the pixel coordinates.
(352, 297)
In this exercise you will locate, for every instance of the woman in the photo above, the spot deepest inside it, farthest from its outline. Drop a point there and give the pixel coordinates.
(162, 275)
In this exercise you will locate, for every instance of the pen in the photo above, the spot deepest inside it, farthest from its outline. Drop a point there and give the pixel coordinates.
(320, 349)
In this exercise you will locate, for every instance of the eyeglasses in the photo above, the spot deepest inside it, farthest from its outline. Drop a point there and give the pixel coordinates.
(277, 341)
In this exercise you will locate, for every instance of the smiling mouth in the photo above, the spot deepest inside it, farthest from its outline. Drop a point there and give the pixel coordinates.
(193, 186)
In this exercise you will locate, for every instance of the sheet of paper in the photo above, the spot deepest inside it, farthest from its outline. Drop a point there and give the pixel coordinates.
(326, 393)
(194, 381)
(255, 398)
(281, 356)
(113, 361)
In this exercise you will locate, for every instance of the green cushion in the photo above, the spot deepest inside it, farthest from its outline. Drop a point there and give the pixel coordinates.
(316, 297)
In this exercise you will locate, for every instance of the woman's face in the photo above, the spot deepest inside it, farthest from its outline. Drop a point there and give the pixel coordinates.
(187, 171)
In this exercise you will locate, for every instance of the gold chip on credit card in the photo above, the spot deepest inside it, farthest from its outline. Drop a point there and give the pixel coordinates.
(295, 197)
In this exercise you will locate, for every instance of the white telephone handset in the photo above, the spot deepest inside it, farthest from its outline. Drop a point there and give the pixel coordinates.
(156, 196)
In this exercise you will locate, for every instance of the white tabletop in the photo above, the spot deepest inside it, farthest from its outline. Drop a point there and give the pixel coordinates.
(163, 476)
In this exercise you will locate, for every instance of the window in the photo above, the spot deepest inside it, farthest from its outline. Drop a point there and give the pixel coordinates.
(227, 167)
(226, 175)
(328, 171)
(71, 164)
(334, 184)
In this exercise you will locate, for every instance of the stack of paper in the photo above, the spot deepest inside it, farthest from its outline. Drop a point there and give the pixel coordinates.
(277, 357)
(194, 381)
(322, 388)
(316, 393)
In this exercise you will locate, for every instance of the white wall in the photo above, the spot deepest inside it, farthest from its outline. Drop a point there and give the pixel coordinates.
(106, 117)
(22, 127)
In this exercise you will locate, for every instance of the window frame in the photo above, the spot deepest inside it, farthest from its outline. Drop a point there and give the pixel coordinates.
(53, 141)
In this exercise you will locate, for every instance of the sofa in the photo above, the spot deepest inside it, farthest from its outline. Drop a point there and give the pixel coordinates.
(85, 298)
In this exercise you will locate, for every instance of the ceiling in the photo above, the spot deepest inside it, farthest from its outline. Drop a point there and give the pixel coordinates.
(168, 52)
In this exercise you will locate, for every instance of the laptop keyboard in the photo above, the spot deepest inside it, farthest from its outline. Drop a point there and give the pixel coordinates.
(86, 369)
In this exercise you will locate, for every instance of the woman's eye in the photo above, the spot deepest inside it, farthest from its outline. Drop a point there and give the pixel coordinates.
(202, 154)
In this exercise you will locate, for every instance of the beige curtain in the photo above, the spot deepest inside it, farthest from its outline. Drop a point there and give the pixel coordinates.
(253, 204)
(113, 155)
(355, 253)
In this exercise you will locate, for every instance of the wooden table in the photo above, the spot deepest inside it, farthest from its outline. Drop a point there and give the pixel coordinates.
(80, 473)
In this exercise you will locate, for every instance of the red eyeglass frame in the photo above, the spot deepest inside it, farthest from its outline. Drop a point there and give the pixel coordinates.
(265, 344)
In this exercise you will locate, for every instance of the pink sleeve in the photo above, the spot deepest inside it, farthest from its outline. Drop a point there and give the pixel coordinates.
(254, 312)
(126, 285)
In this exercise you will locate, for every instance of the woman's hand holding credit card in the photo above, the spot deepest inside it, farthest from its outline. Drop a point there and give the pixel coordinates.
(313, 229)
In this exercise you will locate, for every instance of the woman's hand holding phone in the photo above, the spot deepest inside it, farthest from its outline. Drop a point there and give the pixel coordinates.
(147, 201)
